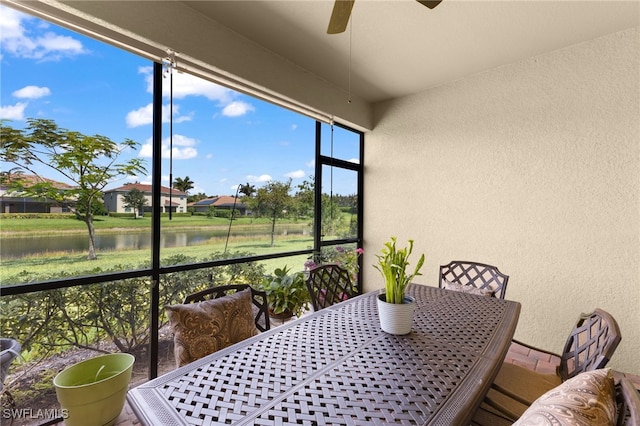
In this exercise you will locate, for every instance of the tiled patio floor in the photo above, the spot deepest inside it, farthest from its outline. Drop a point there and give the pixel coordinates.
(517, 354)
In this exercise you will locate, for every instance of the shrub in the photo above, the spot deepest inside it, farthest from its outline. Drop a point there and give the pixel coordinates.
(116, 312)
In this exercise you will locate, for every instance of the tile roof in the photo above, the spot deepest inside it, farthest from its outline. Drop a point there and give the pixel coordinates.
(221, 201)
(143, 188)
(29, 180)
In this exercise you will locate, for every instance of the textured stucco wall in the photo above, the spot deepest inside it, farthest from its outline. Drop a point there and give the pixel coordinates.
(533, 167)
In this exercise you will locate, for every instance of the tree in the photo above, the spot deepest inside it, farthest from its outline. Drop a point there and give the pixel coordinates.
(183, 185)
(90, 162)
(135, 200)
(273, 201)
(199, 196)
(332, 217)
(247, 190)
(305, 198)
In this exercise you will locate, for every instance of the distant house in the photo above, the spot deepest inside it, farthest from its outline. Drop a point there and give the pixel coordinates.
(224, 202)
(16, 202)
(170, 200)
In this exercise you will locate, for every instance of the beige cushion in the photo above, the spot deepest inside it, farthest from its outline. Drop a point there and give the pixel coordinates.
(467, 289)
(205, 327)
(585, 400)
(527, 384)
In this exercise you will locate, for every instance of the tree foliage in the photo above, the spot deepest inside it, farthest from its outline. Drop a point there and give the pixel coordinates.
(197, 197)
(136, 200)
(332, 218)
(272, 201)
(247, 190)
(90, 162)
(116, 312)
(305, 198)
(183, 185)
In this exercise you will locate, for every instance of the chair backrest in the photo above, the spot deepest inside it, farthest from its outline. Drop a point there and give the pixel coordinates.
(590, 345)
(628, 403)
(478, 275)
(329, 284)
(259, 298)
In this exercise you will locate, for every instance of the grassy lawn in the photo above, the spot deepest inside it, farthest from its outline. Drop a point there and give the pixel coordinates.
(76, 264)
(11, 227)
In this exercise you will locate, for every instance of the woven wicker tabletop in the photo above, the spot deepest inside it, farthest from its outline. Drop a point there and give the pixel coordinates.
(337, 367)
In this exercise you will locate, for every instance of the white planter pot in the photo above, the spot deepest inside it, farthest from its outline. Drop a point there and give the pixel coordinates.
(396, 318)
(93, 391)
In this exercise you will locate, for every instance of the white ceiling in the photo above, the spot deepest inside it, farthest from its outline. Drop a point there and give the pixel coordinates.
(399, 47)
(391, 48)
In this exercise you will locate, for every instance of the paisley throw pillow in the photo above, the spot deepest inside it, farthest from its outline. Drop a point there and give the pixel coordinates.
(202, 328)
(585, 400)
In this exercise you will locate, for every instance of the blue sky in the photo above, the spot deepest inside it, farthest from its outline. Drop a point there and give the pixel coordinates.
(221, 138)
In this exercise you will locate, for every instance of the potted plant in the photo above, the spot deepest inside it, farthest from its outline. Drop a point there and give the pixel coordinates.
(93, 391)
(395, 308)
(287, 293)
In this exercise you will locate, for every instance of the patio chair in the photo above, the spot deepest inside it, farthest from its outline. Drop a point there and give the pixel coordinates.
(259, 299)
(476, 275)
(329, 284)
(589, 346)
(626, 402)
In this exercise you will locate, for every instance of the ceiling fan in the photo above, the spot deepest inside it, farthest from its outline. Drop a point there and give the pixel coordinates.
(342, 12)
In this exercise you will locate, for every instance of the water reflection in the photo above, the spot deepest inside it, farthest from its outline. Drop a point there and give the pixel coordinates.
(29, 246)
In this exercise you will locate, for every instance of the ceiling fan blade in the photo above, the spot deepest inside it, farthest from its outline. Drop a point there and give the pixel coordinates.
(429, 4)
(340, 16)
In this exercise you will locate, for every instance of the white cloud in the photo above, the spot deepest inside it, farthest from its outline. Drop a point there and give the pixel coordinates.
(13, 112)
(311, 164)
(145, 180)
(197, 189)
(298, 174)
(144, 115)
(146, 150)
(32, 92)
(10, 23)
(189, 85)
(183, 148)
(261, 178)
(354, 160)
(140, 116)
(237, 109)
(18, 40)
(294, 127)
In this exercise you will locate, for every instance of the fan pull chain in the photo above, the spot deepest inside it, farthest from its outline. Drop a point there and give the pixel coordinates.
(331, 177)
(350, 50)
(171, 64)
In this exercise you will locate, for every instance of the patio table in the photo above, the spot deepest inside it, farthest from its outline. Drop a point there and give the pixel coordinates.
(336, 366)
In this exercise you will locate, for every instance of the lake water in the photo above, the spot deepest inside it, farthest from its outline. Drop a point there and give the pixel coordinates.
(26, 246)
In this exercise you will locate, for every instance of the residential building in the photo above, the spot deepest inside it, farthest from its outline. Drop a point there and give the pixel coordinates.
(223, 202)
(170, 200)
(17, 202)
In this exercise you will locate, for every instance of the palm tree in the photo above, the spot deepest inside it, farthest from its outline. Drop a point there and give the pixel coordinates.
(248, 190)
(183, 185)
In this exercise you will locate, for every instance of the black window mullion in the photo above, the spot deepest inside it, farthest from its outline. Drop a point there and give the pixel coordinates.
(156, 189)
